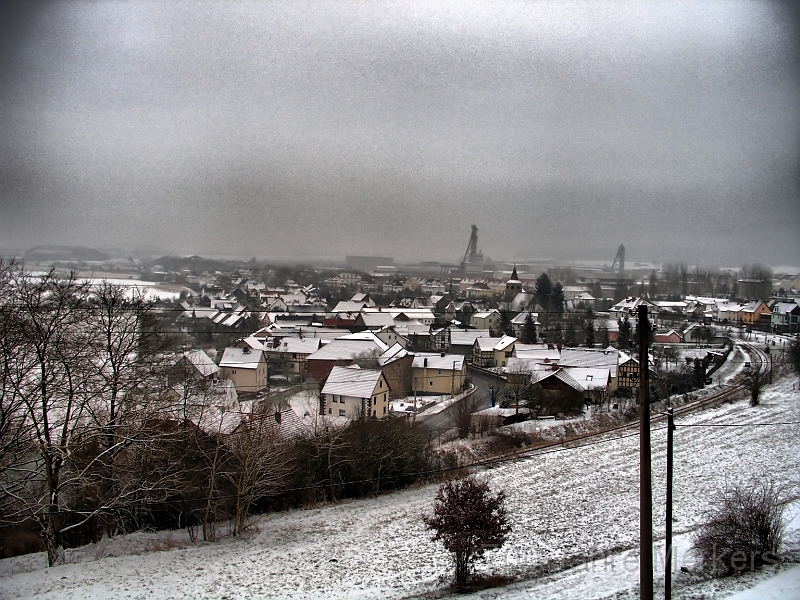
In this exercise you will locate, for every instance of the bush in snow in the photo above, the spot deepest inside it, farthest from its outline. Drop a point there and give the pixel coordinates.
(744, 530)
(468, 519)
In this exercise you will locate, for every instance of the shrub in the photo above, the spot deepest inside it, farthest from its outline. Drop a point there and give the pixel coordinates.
(468, 519)
(743, 531)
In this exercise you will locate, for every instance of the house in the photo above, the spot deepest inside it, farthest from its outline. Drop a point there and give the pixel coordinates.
(396, 364)
(518, 323)
(374, 320)
(355, 393)
(628, 375)
(438, 373)
(787, 283)
(344, 351)
(361, 297)
(594, 358)
(630, 307)
(424, 315)
(755, 312)
(390, 336)
(493, 352)
(433, 286)
(293, 352)
(697, 333)
(786, 317)
(194, 365)
(246, 368)
(485, 319)
(214, 408)
(480, 290)
(463, 340)
(670, 337)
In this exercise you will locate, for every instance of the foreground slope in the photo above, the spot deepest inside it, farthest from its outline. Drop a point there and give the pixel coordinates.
(567, 506)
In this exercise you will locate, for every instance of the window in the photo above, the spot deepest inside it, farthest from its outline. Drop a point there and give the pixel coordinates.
(341, 412)
(374, 413)
(431, 383)
(384, 410)
(440, 372)
(330, 411)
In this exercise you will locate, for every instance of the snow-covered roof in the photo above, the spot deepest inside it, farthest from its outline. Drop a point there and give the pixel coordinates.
(466, 337)
(560, 374)
(240, 358)
(253, 342)
(410, 328)
(495, 344)
(449, 362)
(381, 319)
(395, 352)
(347, 349)
(346, 306)
(411, 313)
(350, 381)
(783, 308)
(483, 314)
(589, 378)
(589, 357)
(295, 345)
(202, 362)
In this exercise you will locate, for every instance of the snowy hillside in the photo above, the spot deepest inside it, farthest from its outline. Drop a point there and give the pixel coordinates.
(567, 506)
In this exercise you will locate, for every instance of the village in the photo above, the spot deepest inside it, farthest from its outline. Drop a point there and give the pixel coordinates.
(379, 342)
(278, 387)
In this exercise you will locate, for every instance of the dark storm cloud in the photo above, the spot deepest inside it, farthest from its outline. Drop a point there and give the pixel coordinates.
(326, 129)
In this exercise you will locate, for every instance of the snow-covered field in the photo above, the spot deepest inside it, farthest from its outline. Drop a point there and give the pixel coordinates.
(568, 506)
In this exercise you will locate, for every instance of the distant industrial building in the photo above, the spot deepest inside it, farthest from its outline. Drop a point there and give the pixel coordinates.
(368, 263)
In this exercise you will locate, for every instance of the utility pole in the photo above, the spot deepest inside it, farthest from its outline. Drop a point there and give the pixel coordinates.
(645, 477)
(668, 533)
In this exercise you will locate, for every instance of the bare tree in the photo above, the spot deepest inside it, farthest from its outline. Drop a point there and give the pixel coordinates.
(461, 414)
(754, 380)
(517, 389)
(68, 370)
(48, 370)
(259, 463)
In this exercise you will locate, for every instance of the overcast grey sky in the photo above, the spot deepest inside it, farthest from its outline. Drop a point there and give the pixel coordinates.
(562, 129)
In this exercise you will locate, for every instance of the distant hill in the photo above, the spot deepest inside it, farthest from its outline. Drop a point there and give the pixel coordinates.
(195, 263)
(48, 254)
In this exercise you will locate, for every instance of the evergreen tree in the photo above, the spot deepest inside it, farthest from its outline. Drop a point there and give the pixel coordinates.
(505, 324)
(625, 330)
(589, 329)
(542, 290)
(570, 335)
(605, 339)
(529, 330)
(557, 298)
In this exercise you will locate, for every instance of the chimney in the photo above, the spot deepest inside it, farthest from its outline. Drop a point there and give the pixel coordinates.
(442, 353)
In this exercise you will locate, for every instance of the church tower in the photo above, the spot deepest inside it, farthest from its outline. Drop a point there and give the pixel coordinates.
(514, 284)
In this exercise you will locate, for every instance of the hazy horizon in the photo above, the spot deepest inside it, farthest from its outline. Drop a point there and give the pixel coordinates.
(303, 129)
